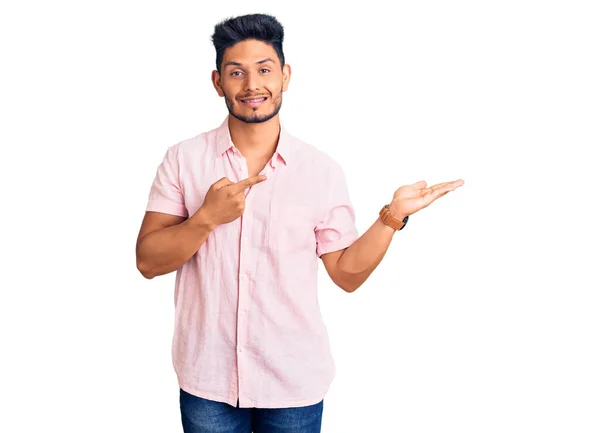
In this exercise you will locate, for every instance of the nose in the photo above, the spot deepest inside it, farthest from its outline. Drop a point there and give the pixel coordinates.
(252, 81)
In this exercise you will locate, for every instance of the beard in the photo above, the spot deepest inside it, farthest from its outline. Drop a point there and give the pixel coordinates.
(255, 117)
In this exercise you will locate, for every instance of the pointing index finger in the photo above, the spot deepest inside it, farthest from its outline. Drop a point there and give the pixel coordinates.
(248, 182)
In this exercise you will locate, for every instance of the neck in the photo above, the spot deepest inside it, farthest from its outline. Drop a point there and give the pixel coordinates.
(255, 139)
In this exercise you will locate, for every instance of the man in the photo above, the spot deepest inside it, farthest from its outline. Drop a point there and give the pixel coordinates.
(242, 213)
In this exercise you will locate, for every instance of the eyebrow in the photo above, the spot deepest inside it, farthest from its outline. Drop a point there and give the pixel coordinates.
(268, 59)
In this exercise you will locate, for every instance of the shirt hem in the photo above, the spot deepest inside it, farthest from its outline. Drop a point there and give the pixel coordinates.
(253, 403)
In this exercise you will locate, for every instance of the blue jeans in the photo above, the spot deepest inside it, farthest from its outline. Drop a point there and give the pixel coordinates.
(199, 415)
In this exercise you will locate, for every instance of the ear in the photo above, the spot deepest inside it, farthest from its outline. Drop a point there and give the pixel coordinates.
(287, 74)
(216, 80)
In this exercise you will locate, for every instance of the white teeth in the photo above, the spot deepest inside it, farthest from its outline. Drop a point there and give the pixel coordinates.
(255, 100)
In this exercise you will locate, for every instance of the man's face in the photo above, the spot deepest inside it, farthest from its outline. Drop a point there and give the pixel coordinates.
(252, 81)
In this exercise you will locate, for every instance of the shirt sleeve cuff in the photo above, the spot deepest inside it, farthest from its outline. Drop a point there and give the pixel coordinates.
(167, 207)
(339, 244)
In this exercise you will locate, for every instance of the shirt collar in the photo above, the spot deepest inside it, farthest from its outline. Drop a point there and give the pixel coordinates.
(284, 145)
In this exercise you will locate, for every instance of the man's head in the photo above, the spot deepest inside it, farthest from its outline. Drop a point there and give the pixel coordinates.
(250, 64)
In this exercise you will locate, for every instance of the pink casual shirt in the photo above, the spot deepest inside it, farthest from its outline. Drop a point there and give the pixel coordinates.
(247, 317)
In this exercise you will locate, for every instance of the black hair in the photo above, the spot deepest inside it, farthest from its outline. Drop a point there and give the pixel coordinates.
(260, 27)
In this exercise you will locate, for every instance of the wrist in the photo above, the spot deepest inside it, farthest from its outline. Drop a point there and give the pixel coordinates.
(385, 227)
(392, 218)
(203, 218)
(397, 215)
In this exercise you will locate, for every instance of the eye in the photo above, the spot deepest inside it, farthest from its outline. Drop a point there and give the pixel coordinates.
(233, 74)
(265, 69)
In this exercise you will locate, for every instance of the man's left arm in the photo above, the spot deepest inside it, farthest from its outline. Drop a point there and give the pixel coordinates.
(349, 268)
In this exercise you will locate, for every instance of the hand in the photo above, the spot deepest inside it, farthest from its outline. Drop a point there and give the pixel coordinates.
(225, 201)
(409, 199)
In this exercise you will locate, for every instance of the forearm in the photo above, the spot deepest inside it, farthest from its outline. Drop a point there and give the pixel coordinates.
(165, 250)
(361, 258)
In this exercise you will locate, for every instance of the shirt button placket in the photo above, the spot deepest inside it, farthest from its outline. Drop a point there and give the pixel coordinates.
(244, 283)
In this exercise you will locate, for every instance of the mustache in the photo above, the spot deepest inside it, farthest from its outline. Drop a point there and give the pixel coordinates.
(262, 95)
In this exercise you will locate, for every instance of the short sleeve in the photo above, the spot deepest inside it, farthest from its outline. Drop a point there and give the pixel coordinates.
(165, 194)
(337, 229)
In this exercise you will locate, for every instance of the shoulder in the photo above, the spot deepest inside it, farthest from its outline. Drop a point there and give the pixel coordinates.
(200, 142)
(193, 148)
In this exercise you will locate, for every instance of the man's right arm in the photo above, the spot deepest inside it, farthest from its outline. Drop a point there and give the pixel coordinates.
(166, 242)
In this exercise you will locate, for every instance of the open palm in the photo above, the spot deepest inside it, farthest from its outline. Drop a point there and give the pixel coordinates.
(409, 199)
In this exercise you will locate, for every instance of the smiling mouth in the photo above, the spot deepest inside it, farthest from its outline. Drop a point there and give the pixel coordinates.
(254, 102)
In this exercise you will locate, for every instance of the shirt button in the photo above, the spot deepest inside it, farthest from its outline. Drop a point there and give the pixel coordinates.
(240, 350)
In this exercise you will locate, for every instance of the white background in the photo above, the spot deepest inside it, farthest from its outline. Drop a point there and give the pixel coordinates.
(482, 317)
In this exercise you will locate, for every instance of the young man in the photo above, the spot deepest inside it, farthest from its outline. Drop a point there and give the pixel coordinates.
(242, 213)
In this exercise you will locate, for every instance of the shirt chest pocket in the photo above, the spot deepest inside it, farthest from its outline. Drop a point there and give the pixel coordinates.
(291, 229)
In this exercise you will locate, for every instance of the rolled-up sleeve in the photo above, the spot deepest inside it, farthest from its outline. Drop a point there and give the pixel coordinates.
(165, 193)
(337, 229)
